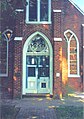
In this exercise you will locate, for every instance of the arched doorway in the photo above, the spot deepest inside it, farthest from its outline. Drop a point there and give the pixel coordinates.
(37, 65)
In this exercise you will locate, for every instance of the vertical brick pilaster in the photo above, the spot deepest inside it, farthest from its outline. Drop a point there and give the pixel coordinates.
(58, 68)
(57, 53)
(19, 24)
(17, 77)
(57, 23)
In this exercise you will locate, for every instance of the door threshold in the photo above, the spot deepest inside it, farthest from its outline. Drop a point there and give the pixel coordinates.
(29, 95)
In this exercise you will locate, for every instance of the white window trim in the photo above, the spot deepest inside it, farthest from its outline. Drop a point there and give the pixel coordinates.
(38, 10)
(76, 6)
(38, 14)
(6, 74)
(7, 41)
(72, 75)
(78, 69)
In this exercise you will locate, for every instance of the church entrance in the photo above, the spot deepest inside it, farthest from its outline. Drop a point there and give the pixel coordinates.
(37, 66)
(37, 75)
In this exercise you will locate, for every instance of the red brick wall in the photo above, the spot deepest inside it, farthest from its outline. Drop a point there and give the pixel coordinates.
(69, 18)
(7, 82)
(73, 20)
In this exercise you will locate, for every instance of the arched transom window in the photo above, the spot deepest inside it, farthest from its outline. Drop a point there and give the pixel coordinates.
(72, 53)
(38, 44)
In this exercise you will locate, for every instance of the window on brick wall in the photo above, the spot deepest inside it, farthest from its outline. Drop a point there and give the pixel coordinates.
(3, 57)
(73, 53)
(38, 11)
(5, 38)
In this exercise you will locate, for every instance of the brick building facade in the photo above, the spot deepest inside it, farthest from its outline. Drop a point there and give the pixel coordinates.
(46, 54)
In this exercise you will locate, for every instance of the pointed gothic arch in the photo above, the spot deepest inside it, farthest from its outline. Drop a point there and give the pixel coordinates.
(37, 53)
(73, 53)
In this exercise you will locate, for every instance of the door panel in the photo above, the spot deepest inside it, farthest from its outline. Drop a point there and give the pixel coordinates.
(38, 80)
(31, 83)
(43, 85)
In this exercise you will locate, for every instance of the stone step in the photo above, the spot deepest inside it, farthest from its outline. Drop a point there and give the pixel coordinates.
(36, 95)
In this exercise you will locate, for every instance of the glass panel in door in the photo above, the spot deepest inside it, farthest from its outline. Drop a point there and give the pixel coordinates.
(31, 75)
(43, 75)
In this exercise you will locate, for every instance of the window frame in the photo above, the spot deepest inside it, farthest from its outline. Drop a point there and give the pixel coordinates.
(7, 34)
(38, 14)
(68, 43)
(5, 74)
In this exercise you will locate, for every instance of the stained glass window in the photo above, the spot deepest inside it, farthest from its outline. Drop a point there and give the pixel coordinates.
(38, 44)
(73, 56)
(73, 53)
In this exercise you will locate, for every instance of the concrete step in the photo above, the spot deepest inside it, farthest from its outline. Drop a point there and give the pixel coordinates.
(36, 95)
